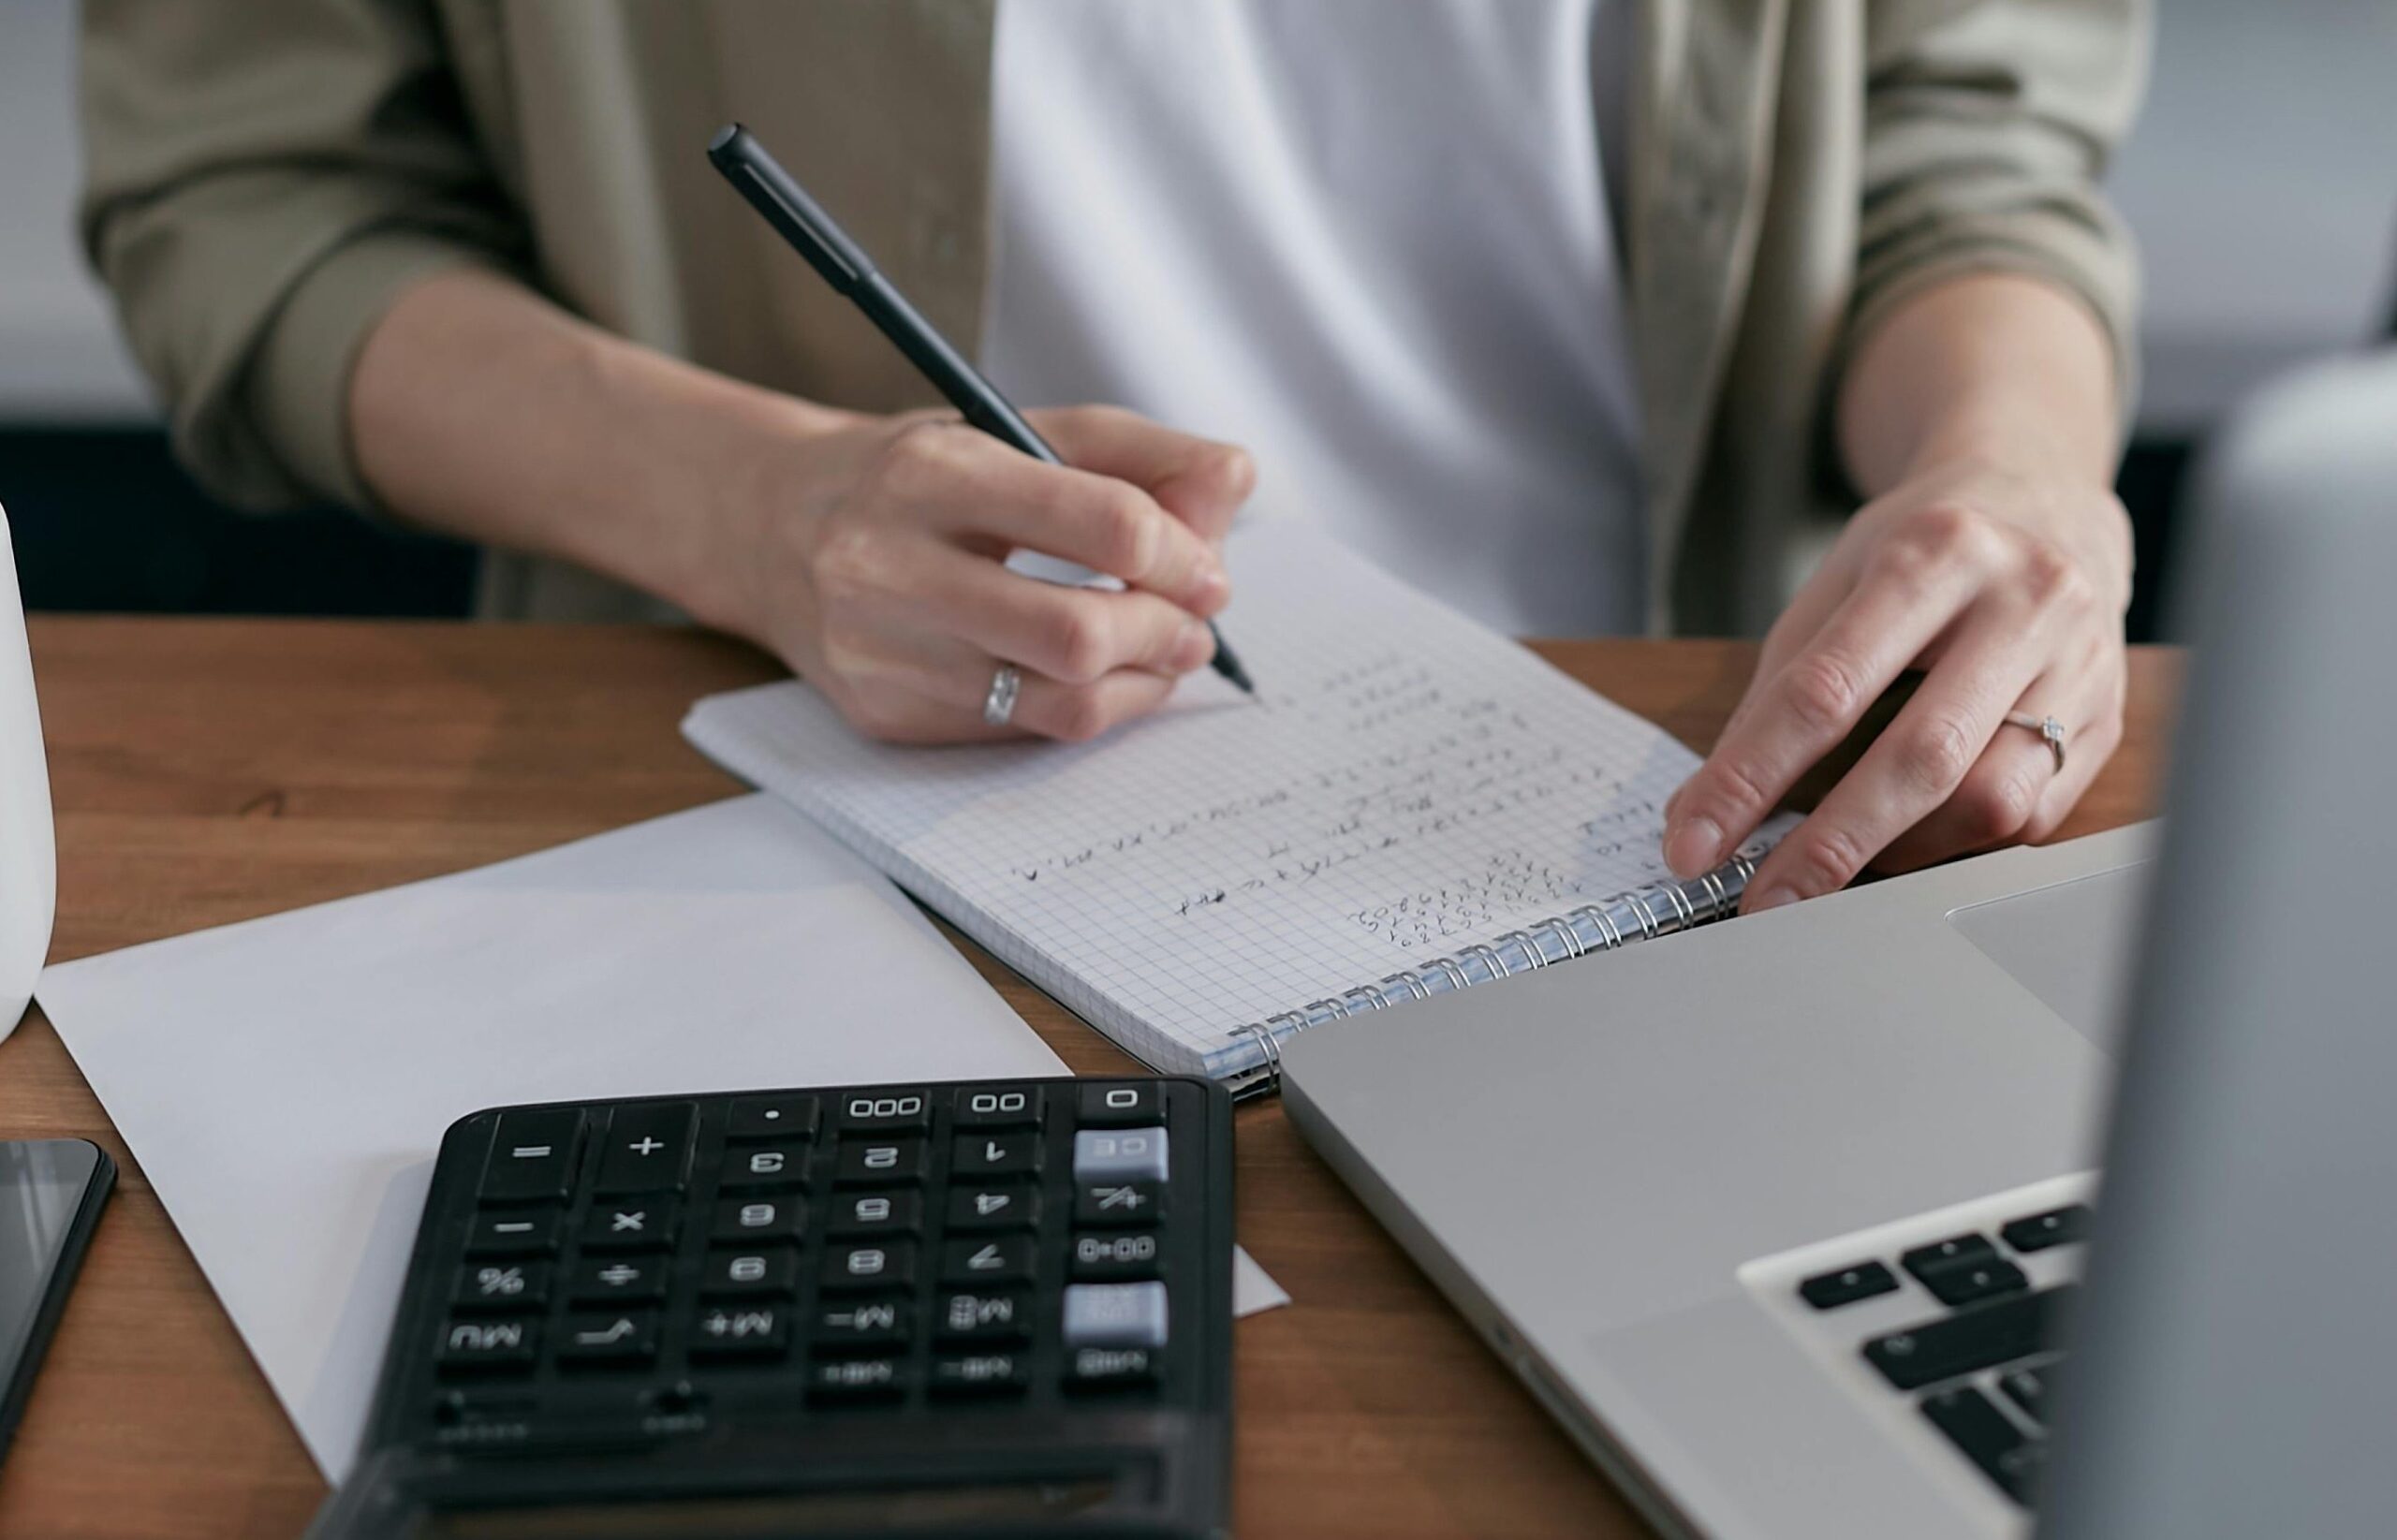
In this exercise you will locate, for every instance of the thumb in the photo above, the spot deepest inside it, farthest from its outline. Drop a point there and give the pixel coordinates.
(1200, 482)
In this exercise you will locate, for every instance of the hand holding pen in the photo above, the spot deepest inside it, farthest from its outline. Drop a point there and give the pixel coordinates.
(916, 628)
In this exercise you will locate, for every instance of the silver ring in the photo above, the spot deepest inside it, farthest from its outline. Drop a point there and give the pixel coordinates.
(999, 704)
(2048, 727)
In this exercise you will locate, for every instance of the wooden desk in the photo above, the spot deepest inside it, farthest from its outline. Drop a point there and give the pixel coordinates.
(210, 771)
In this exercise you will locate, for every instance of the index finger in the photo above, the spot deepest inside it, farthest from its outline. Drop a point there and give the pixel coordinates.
(1078, 515)
(1795, 715)
(1200, 482)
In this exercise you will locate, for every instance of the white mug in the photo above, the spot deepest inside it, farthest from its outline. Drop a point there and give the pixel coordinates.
(28, 863)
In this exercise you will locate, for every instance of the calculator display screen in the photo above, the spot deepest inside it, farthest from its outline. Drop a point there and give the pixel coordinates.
(769, 1516)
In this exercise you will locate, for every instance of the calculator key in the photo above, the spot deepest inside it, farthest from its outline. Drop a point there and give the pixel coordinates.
(999, 1259)
(878, 1214)
(974, 1157)
(881, 1160)
(849, 1325)
(648, 1149)
(979, 1317)
(1955, 1248)
(614, 1337)
(1128, 1154)
(741, 1331)
(996, 1107)
(755, 1269)
(1119, 1204)
(858, 1379)
(488, 1346)
(979, 1375)
(1007, 1206)
(1115, 1314)
(790, 1116)
(531, 1155)
(605, 1279)
(759, 1217)
(502, 1285)
(1111, 1368)
(629, 1225)
(765, 1165)
(876, 1265)
(1108, 1106)
(515, 1232)
(1847, 1286)
(2052, 1228)
(1108, 1258)
(884, 1112)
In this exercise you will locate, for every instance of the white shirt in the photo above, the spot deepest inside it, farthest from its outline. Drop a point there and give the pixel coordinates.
(1367, 240)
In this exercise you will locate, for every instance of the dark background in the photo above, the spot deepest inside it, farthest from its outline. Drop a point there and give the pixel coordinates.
(167, 546)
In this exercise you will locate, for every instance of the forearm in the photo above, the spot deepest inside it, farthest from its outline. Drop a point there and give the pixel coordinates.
(2004, 370)
(480, 409)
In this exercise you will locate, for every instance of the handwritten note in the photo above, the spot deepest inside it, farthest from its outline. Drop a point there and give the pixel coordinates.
(1408, 784)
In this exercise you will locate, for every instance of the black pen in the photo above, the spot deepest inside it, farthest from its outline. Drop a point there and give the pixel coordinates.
(829, 250)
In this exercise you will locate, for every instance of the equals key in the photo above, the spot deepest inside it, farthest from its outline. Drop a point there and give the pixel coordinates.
(531, 1155)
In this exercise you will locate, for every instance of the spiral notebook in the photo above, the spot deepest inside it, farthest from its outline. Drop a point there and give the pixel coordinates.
(1412, 804)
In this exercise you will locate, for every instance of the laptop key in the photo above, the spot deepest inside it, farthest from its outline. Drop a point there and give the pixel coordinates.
(1978, 1337)
(1831, 1290)
(2055, 1227)
(2028, 1389)
(1988, 1437)
(1970, 1278)
(1955, 1248)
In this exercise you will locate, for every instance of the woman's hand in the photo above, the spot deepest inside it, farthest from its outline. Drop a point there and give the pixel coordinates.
(868, 555)
(2007, 590)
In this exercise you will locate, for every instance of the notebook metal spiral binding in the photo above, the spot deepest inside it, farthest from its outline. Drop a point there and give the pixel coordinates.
(1641, 914)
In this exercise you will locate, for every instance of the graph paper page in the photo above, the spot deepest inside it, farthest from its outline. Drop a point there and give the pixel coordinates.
(1405, 784)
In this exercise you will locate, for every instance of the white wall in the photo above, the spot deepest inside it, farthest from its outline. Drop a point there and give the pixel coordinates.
(2262, 184)
(59, 357)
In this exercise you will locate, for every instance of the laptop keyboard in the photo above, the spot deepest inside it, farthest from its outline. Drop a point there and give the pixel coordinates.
(1980, 1372)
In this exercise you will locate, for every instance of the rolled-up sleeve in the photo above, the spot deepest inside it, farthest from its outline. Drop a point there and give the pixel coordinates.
(1988, 127)
(262, 178)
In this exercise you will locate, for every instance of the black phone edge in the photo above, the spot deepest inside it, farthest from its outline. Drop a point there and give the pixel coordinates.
(71, 1248)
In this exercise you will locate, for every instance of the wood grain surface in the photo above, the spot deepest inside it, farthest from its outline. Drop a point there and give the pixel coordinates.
(210, 771)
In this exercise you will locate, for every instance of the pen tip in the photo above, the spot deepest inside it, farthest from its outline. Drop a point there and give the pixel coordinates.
(1228, 666)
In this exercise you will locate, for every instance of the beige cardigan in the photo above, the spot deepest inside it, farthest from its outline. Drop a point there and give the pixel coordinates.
(264, 176)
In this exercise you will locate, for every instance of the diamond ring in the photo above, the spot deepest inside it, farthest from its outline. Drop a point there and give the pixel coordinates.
(2049, 729)
(1006, 684)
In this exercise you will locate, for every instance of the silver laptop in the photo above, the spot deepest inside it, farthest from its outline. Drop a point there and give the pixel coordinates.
(1781, 1218)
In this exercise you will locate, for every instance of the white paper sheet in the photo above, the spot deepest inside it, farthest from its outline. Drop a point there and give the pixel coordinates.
(285, 1082)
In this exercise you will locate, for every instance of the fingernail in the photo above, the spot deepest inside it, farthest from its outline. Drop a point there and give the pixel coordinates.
(1192, 650)
(1762, 898)
(1211, 591)
(1691, 846)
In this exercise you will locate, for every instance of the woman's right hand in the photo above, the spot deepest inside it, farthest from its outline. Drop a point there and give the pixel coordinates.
(868, 555)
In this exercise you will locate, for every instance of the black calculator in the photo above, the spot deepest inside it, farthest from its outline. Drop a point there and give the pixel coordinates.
(998, 1309)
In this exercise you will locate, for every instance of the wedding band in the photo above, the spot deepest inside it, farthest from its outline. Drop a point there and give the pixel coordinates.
(999, 704)
(2049, 729)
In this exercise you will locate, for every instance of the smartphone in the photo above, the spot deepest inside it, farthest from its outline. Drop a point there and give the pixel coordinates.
(50, 1193)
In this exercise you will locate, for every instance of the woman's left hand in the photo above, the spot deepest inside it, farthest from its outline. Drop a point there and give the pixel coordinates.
(2007, 591)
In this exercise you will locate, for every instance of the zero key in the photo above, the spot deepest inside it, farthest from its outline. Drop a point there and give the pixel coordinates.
(532, 1154)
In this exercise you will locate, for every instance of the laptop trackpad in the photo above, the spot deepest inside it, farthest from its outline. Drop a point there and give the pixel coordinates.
(2072, 944)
